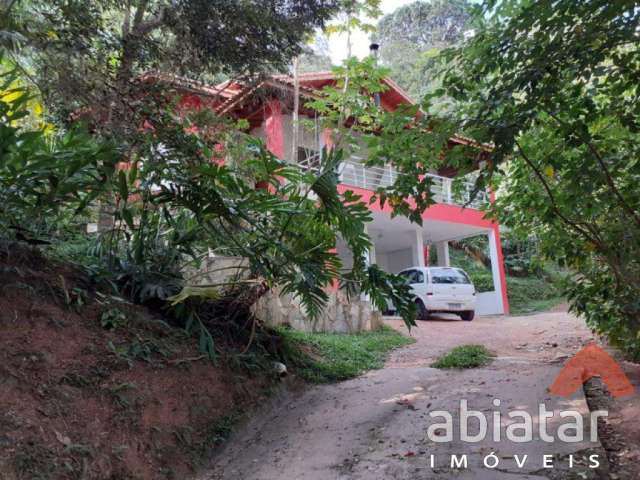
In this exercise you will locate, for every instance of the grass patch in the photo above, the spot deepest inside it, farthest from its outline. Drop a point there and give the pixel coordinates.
(331, 357)
(465, 356)
(536, 306)
(532, 294)
(527, 294)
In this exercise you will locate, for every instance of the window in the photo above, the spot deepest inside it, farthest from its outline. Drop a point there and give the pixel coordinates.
(407, 275)
(413, 276)
(449, 276)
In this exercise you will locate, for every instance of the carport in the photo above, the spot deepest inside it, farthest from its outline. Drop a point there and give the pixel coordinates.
(400, 244)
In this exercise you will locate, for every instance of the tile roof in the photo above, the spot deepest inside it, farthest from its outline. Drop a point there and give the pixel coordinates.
(232, 93)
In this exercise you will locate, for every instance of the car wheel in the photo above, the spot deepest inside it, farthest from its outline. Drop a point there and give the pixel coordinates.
(467, 315)
(423, 313)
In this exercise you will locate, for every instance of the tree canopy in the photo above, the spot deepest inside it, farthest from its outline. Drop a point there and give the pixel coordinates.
(316, 57)
(411, 36)
(553, 87)
(87, 54)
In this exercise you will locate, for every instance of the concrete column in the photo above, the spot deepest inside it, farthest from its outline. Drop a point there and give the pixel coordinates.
(371, 254)
(417, 249)
(442, 250)
(496, 267)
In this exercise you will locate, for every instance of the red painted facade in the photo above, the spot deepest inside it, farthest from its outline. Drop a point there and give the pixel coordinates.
(274, 129)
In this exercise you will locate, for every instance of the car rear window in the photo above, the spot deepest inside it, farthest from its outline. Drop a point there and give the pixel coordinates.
(413, 276)
(449, 276)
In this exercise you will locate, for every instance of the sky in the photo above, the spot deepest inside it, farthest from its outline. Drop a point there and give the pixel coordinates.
(360, 41)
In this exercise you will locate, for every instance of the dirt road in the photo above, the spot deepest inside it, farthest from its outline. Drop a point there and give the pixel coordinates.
(375, 426)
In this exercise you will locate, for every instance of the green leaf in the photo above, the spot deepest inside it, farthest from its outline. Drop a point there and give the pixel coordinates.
(123, 188)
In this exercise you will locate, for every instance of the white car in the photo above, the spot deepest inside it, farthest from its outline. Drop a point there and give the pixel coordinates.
(441, 290)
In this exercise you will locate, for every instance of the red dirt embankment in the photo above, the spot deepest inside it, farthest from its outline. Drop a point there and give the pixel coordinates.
(80, 401)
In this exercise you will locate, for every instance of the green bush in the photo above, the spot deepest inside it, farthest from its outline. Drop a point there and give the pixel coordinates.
(47, 179)
(482, 281)
(520, 289)
(465, 356)
(521, 256)
(609, 308)
(479, 274)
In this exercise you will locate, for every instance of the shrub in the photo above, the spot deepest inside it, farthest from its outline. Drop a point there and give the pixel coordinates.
(609, 308)
(482, 281)
(465, 356)
(47, 179)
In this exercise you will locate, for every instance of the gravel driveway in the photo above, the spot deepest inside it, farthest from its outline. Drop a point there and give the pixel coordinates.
(375, 426)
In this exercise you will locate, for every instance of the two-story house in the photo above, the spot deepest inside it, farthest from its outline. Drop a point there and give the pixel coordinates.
(397, 243)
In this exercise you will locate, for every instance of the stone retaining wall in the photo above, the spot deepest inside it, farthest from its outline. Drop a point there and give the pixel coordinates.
(340, 315)
(275, 308)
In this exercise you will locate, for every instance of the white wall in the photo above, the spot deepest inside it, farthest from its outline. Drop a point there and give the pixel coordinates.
(382, 260)
(495, 270)
(345, 254)
(398, 260)
(391, 262)
(489, 303)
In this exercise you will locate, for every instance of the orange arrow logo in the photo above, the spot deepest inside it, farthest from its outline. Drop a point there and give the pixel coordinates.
(591, 361)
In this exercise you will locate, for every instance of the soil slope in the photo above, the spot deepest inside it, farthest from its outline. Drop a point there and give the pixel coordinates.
(95, 389)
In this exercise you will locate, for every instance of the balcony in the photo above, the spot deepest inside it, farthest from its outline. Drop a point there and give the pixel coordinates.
(352, 172)
(355, 174)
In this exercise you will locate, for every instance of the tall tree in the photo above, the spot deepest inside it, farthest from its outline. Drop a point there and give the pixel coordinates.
(87, 53)
(316, 57)
(411, 36)
(554, 87)
(356, 15)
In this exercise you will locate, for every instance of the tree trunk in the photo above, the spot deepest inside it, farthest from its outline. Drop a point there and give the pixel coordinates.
(294, 115)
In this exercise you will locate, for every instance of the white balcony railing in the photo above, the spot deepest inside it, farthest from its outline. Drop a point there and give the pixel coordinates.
(354, 173)
(371, 178)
